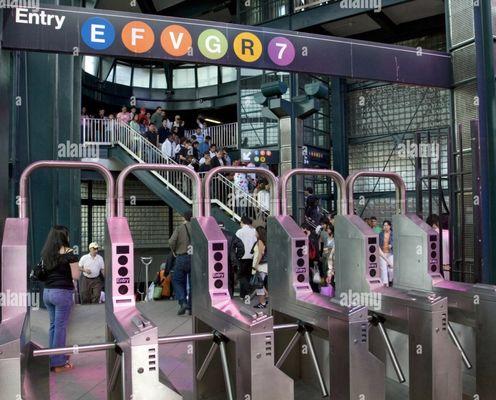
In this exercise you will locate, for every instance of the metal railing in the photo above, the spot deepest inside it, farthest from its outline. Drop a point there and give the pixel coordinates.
(225, 135)
(112, 132)
(225, 194)
(301, 5)
(235, 201)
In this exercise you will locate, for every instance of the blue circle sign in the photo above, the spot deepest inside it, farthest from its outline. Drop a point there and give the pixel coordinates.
(98, 33)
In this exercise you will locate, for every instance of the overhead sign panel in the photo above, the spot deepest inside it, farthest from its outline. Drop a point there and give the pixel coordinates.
(101, 32)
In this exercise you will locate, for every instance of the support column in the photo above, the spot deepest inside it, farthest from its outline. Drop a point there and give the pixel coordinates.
(484, 43)
(5, 117)
(340, 157)
(45, 104)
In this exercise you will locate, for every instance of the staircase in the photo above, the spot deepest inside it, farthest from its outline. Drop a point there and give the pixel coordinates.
(129, 146)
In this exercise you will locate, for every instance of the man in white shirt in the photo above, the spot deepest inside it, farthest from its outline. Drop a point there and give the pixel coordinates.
(248, 236)
(169, 146)
(90, 282)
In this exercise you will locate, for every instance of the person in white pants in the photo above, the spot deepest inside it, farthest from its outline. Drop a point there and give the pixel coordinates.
(386, 253)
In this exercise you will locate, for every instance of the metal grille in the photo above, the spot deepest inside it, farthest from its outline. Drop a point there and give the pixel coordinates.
(149, 224)
(461, 21)
(254, 12)
(388, 109)
(463, 63)
(465, 100)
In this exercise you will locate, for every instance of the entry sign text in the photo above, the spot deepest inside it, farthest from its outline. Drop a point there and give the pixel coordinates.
(101, 32)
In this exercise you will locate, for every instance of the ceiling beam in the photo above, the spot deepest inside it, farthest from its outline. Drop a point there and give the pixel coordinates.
(321, 15)
(147, 6)
(406, 31)
(383, 21)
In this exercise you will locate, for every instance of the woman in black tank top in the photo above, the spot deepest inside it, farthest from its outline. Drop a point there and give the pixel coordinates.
(62, 269)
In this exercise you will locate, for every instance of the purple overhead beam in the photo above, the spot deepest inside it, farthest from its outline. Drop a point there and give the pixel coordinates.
(316, 54)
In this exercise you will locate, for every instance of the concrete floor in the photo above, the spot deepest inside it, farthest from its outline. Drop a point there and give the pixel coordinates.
(88, 379)
(87, 325)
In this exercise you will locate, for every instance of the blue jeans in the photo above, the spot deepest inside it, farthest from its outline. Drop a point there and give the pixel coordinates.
(58, 303)
(182, 274)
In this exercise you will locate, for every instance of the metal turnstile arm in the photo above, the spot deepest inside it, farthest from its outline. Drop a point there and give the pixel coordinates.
(303, 331)
(378, 321)
(219, 342)
(458, 345)
(206, 362)
(318, 372)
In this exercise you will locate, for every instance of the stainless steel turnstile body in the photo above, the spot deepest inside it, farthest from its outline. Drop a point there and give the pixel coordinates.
(244, 336)
(433, 360)
(249, 334)
(472, 308)
(133, 370)
(354, 372)
(21, 376)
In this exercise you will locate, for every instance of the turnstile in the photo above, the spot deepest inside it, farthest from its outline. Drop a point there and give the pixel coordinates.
(434, 369)
(472, 308)
(23, 376)
(352, 372)
(244, 336)
(133, 371)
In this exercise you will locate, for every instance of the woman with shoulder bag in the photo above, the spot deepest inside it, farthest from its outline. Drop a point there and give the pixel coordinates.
(62, 269)
(259, 266)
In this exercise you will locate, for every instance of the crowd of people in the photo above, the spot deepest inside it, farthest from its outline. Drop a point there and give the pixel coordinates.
(197, 151)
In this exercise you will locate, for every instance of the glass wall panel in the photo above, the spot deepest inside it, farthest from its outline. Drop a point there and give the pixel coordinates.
(208, 76)
(141, 77)
(158, 79)
(183, 78)
(90, 65)
(122, 74)
(229, 74)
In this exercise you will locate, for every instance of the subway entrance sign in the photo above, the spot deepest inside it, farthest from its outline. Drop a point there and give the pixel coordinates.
(100, 32)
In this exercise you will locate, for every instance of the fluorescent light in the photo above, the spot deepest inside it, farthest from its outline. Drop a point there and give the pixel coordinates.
(213, 121)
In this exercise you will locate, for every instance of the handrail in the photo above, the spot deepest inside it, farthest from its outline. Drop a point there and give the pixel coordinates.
(112, 131)
(107, 175)
(250, 198)
(274, 203)
(395, 178)
(197, 187)
(335, 176)
(225, 135)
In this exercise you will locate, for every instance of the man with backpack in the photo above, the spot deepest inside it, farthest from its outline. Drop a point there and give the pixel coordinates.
(180, 245)
(236, 251)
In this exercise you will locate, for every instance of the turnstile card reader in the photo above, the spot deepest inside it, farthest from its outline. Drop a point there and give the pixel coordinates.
(240, 328)
(354, 372)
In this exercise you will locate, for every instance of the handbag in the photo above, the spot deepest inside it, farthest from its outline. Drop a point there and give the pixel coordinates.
(256, 281)
(157, 292)
(316, 276)
(39, 272)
